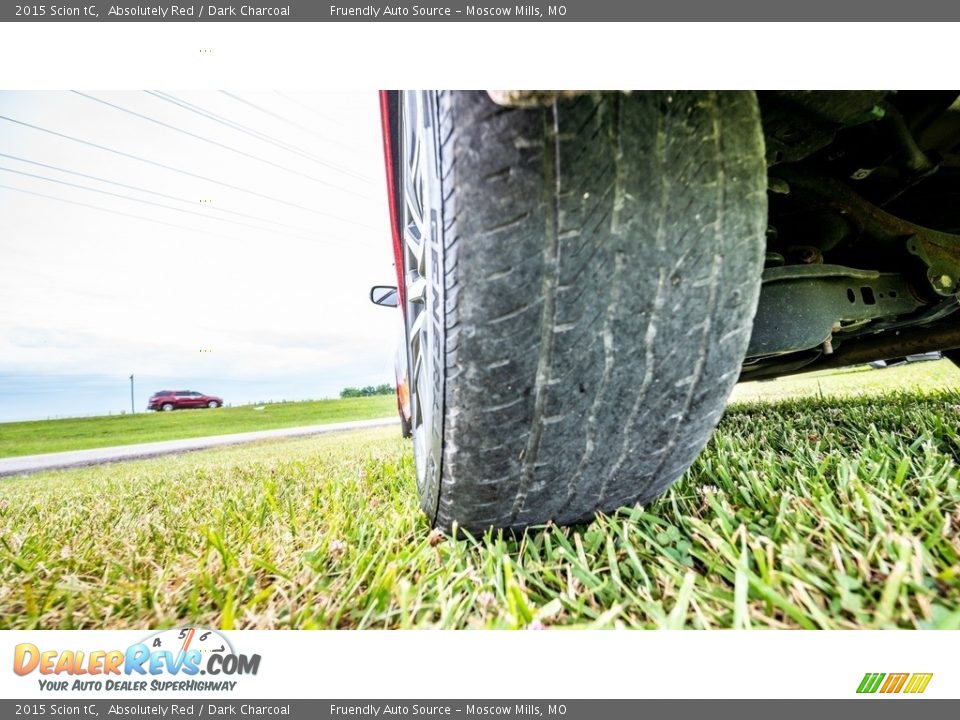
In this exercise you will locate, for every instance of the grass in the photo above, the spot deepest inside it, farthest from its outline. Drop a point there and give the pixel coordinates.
(861, 380)
(43, 436)
(799, 514)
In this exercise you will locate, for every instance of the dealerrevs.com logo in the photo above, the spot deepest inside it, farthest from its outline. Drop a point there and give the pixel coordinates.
(168, 660)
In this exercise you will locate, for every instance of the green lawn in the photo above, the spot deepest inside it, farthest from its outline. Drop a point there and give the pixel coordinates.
(42, 436)
(861, 380)
(801, 514)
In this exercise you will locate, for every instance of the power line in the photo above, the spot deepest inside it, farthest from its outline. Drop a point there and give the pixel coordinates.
(257, 134)
(97, 207)
(141, 200)
(312, 109)
(246, 129)
(152, 192)
(282, 118)
(120, 213)
(230, 148)
(188, 173)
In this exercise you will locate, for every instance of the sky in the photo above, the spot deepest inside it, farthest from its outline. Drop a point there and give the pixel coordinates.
(223, 242)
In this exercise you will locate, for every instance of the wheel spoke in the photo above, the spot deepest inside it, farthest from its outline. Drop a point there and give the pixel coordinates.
(418, 373)
(415, 331)
(414, 242)
(413, 203)
(417, 290)
(419, 183)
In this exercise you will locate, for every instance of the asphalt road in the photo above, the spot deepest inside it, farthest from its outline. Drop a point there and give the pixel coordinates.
(26, 464)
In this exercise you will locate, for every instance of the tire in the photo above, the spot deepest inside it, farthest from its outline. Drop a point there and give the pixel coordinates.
(953, 356)
(581, 281)
(213, 404)
(167, 407)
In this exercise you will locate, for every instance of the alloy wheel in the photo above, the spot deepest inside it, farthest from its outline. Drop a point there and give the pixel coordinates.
(422, 271)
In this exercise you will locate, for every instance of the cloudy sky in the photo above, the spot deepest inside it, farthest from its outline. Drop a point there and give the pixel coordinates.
(215, 241)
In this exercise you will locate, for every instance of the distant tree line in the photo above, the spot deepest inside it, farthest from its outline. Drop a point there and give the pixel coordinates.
(385, 389)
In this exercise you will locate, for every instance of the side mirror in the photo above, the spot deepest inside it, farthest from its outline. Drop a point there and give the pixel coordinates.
(385, 295)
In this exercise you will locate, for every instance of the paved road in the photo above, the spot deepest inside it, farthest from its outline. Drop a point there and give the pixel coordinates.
(73, 458)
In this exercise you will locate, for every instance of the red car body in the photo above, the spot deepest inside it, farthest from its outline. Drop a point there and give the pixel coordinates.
(182, 399)
(388, 123)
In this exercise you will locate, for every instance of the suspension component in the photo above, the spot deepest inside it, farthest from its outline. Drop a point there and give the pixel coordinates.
(939, 251)
(802, 306)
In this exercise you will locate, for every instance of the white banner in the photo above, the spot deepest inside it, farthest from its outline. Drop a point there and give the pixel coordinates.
(194, 662)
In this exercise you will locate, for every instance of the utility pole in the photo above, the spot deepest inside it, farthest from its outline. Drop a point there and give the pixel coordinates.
(133, 409)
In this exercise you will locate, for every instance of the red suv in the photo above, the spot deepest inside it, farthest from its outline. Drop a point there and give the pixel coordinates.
(168, 400)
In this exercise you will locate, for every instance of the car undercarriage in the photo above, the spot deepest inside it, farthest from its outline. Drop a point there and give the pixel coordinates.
(862, 260)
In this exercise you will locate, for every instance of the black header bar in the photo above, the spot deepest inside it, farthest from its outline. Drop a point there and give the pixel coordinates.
(483, 11)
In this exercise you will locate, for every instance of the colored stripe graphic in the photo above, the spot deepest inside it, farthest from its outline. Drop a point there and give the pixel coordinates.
(918, 682)
(870, 682)
(893, 683)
